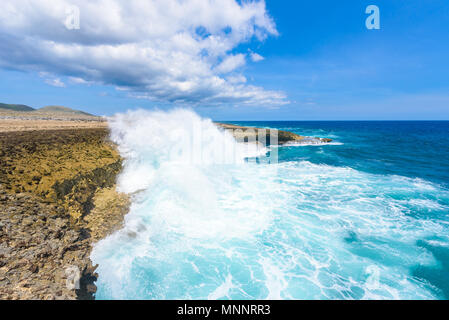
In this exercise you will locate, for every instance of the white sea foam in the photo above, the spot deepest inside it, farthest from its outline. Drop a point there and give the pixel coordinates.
(311, 144)
(292, 230)
(223, 290)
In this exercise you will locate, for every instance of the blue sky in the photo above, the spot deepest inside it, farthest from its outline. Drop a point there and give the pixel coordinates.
(328, 64)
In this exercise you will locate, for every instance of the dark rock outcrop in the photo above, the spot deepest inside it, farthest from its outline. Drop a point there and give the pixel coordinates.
(245, 134)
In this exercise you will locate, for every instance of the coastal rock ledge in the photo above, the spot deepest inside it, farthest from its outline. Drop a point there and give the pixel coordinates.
(284, 137)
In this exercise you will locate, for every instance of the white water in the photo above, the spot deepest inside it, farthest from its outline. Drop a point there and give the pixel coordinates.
(206, 224)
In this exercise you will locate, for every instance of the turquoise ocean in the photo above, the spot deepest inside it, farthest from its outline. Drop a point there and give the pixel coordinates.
(364, 217)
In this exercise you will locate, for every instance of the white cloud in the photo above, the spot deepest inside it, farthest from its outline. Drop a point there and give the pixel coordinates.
(164, 50)
(230, 63)
(55, 82)
(236, 79)
(255, 57)
(77, 80)
(51, 80)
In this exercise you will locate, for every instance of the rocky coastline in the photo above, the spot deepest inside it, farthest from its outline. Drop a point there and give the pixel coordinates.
(57, 198)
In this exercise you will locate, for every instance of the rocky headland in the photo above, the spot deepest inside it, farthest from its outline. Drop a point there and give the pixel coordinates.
(283, 137)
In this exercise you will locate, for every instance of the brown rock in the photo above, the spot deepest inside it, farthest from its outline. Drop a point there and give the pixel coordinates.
(47, 225)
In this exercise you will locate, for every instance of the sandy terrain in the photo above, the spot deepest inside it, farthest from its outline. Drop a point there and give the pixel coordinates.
(13, 121)
(13, 125)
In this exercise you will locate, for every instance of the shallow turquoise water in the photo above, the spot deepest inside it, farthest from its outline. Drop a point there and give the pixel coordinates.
(366, 217)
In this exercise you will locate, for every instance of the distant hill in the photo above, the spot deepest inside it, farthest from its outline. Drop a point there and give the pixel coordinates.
(60, 109)
(15, 107)
(23, 110)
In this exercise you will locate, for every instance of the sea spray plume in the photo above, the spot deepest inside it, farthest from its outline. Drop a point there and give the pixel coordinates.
(149, 140)
(181, 206)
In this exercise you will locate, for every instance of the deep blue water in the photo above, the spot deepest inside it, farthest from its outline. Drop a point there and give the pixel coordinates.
(365, 217)
(415, 149)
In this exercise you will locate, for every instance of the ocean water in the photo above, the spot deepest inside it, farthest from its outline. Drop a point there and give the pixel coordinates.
(365, 217)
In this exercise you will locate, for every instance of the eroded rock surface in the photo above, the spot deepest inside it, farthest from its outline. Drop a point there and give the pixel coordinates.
(57, 197)
(37, 246)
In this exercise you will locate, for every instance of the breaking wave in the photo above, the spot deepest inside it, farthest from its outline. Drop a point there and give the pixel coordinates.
(206, 223)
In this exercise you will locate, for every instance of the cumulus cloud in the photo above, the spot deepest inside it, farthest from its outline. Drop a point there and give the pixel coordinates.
(256, 57)
(230, 63)
(51, 80)
(236, 79)
(55, 82)
(163, 50)
(78, 80)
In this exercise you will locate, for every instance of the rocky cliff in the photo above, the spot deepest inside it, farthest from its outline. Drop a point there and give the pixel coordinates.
(57, 197)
